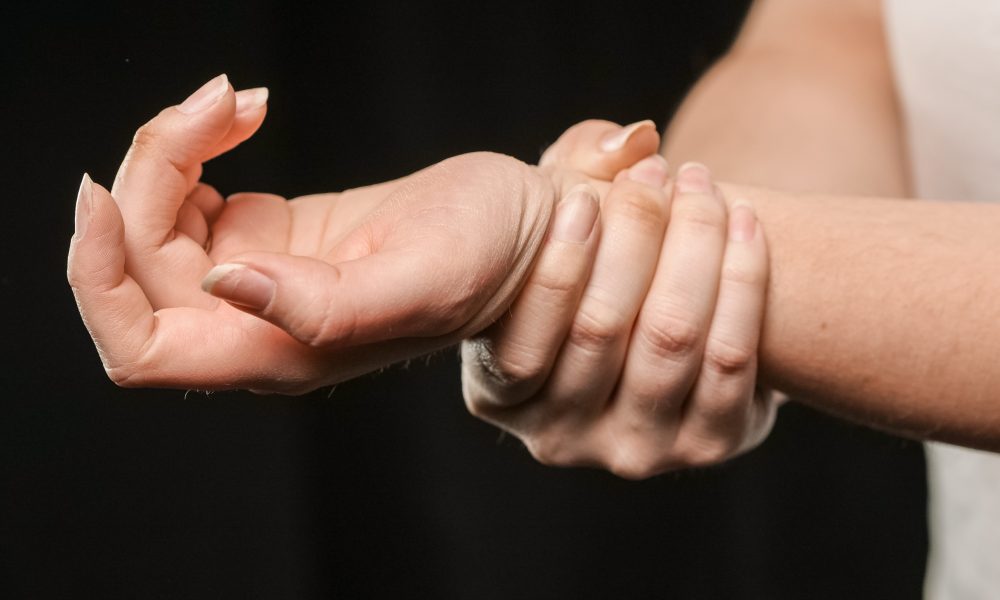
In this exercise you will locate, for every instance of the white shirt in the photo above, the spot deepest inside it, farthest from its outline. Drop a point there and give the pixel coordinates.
(946, 57)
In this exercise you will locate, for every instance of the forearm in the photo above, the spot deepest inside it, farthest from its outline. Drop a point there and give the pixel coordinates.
(872, 303)
(885, 311)
(804, 102)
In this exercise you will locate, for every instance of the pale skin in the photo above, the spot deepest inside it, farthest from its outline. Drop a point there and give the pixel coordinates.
(917, 362)
(583, 368)
(878, 310)
(349, 282)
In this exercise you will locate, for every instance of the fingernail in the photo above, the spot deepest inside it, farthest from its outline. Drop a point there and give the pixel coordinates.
(205, 96)
(652, 171)
(616, 140)
(742, 222)
(239, 284)
(84, 198)
(576, 215)
(695, 178)
(250, 99)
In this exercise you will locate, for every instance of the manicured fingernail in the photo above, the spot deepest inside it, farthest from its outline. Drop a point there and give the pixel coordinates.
(239, 284)
(576, 215)
(652, 170)
(250, 99)
(695, 178)
(616, 140)
(84, 198)
(742, 222)
(206, 95)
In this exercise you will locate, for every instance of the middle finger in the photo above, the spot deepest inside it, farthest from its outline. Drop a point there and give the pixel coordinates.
(664, 354)
(634, 219)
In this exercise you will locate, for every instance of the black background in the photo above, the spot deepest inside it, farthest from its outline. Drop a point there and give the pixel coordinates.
(387, 488)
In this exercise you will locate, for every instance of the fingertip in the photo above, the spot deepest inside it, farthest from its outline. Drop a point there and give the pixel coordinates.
(97, 254)
(652, 171)
(600, 148)
(104, 213)
(206, 96)
(84, 210)
(163, 162)
(108, 226)
(616, 140)
(240, 284)
(579, 136)
(742, 221)
(251, 99)
(694, 178)
(250, 111)
(576, 215)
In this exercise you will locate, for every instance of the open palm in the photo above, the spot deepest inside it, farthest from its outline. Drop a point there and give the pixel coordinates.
(394, 270)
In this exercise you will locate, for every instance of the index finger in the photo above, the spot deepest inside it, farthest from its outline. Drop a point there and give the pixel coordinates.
(154, 177)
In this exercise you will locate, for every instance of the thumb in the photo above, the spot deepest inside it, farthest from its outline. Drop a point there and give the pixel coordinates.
(600, 149)
(381, 296)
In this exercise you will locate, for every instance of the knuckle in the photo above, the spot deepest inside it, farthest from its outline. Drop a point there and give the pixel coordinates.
(501, 377)
(558, 285)
(147, 138)
(639, 204)
(726, 358)
(128, 365)
(311, 332)
(550, 450)
(518, 368)
(707, 452)
(744, 274)
(634, 464)
(635, 455)
(74, 277)
(666, 335)
(596, 332)
(317, 322)
(699, 215)
(315, 334)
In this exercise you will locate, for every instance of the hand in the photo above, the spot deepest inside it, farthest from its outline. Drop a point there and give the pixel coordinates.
(635, 352)
(318, 289)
